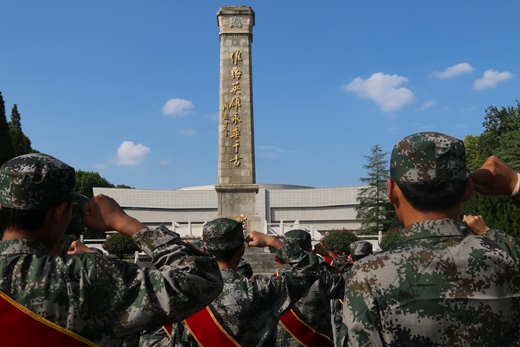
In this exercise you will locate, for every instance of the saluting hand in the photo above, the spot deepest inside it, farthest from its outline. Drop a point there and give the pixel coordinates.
(104, 213)
(256, 239)
(494, 178)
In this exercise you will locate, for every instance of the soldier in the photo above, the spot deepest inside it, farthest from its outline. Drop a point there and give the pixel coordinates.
(162, 336)
(86, 299)
(341, 264)
(309, 322)
(436, 287)
(359, 250)
(247, 311)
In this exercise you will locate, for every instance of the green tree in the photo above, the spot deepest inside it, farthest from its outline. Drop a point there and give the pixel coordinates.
(508, 149)
(6, 144)
(501, 137)
(497, 123)
(86, 180)
(120, 245)
(390, 238)
(373, 208)
(21, 143)
(339, 240)
(474, 155)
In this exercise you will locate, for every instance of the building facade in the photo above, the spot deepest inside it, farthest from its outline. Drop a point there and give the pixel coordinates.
(279, 207)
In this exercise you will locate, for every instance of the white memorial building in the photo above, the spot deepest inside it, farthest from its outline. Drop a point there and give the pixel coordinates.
(280, 208)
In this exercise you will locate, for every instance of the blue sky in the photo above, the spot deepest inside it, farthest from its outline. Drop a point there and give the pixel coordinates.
(130, 88)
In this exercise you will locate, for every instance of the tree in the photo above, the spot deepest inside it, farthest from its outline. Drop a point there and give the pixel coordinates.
(339, 240)
(86, 180)
(474, 155)
(21, 143)
(6, 145)
(374, 209)
(508, 149)
(498, 211)
(120, 246)
(501, 137)
(497, 123)
(390, 238)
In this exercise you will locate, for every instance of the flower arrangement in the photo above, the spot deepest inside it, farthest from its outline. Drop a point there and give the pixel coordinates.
(243, 219)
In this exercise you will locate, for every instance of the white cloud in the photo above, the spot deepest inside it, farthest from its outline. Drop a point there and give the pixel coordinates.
(383, 89)
(130, 154)
(426, 105)
(270, 151)
(468, 109)
(491, 78)
(100, 166)
(189, 132)
(177, 107)
(213, 116)
(455, 70)
(425, 127)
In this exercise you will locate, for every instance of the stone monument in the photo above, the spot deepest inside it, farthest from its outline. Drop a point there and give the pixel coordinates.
(236, 188)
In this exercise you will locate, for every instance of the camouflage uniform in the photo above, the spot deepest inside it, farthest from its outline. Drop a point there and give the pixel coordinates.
(155, 338)
(314, 308)
(358, 250)
(103, 300)
(249, 309)
(436, 287)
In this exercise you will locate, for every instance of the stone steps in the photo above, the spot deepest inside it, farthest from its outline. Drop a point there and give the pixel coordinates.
(261, 260)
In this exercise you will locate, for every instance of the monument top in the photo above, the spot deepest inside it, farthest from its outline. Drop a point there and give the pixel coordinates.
(236, 11)
(231, 10)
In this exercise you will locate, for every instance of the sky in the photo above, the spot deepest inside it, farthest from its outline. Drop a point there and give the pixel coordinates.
(130, 89)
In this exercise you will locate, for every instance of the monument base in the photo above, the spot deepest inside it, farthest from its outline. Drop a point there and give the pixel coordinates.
(236, 200)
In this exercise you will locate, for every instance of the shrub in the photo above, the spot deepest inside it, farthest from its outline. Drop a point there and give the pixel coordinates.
(390, 238)
(120, 246)
(339, 240)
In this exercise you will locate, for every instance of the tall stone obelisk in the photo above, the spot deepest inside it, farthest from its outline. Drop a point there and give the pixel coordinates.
(236, 188)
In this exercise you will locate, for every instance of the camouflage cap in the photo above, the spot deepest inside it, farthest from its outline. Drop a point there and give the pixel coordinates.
(300, 237)
(360, 248)
(37, 181)
(222, 234)
(428, 157)
(197, 243)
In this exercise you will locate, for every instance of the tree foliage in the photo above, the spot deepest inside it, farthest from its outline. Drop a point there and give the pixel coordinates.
(120, 245)
(20, 141)
(339, 240)
(501, 137)
(6, 145)
(374, 209)
(498, 211)
(390, 238)
(497, 123)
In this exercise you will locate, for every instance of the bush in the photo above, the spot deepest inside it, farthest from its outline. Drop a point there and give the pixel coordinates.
(120, 246)
(390, 238)
(339, 240)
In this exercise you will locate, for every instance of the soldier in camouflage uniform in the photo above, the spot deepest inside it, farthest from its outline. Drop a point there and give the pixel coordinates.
(357, 251)
(314, 308)
(162, 336)
(102, 300)
(248, 309)
(436, 287)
